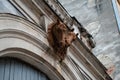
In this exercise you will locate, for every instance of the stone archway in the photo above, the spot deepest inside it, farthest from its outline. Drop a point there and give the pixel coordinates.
(21, 39)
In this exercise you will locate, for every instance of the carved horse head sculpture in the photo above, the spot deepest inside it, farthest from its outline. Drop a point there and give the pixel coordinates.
(60, 38)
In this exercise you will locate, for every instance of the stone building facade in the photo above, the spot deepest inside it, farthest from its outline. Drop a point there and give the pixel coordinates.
(23, 27)
(102, 19)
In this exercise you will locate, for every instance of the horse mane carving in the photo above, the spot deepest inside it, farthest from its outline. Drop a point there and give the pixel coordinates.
(60, 38)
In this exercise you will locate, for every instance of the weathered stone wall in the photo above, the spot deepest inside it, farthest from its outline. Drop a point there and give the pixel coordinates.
(22, 39)
(98, 18)
(25, 40)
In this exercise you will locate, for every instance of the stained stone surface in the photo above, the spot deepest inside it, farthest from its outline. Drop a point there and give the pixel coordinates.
(97, 16)
(7, 7)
